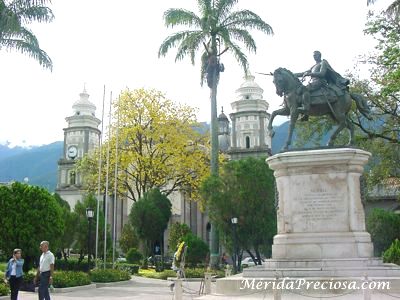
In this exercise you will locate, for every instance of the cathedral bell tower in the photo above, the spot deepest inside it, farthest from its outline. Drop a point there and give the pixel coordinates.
(249, 117)
(80, 136)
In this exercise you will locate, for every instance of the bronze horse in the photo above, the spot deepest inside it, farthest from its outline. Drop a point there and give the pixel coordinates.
(291, 88)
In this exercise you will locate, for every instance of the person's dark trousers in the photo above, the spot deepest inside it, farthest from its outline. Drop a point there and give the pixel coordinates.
(44, 286)
(15, 283)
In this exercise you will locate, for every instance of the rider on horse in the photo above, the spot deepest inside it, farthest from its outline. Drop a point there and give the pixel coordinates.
(322, 76)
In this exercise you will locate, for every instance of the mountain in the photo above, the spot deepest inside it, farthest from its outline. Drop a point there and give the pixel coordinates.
(38, 164)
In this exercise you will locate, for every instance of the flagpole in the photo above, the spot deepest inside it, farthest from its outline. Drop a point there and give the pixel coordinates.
(107, 173)
(99, 178)
(115, 185)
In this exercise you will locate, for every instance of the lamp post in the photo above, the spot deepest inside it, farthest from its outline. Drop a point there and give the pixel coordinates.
(234, 222)
(89, 215)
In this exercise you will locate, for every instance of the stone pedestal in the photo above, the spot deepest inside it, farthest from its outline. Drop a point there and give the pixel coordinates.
(320, 214)
(321, 230)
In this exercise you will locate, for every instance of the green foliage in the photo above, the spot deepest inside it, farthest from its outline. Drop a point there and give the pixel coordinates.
(14, 35)
(128, 238)
(134, 256)
(130, 268)
(382, 136)
(109, 275)
(151, 273)
(245, 190)
(384, 227)
(63, 279)
(176, 233)
(392, 255)
(160, 147)
(73, 265)
(29, 215)
(4, 289)
(70, 220)
(197, 249)
(189, 273)
(218, 25)
(154, 207)
(28, 277)
(81, 227)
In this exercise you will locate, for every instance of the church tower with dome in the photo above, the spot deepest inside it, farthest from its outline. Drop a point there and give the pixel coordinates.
(80, 136)
(249, 135)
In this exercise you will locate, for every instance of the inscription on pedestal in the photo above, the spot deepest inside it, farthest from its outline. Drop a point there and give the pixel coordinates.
(320, 210)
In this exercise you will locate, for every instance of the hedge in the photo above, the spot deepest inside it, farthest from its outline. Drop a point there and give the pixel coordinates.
(62, 279)
(73, 265)
(130, 268)
(4, 289)
(109, 275)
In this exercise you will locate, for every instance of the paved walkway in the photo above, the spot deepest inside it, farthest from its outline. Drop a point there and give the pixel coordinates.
(155, 289)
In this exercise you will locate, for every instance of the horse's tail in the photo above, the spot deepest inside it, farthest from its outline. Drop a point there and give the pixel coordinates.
(362, 105)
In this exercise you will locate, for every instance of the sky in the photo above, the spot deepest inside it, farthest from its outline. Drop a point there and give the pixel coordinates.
(97, 43)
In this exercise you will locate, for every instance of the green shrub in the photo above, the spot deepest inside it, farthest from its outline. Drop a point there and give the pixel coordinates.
(384, 227)
(134, 256)
(189, 273)
(4, 289)
(73, 265)
(130, 268)
(63, 279)
(392, 254)
(3, 266)
(109, 275)
(158, 275)
(197, 249)
(145, 263)
(28, 277)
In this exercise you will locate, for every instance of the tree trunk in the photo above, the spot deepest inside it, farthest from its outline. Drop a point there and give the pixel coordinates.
(259, 261)
(214, 257)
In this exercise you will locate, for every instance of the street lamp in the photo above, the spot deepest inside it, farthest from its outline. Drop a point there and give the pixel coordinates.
(89, 215)
(234, 222)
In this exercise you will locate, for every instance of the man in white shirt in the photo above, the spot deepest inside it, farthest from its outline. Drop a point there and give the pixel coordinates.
(45, 271)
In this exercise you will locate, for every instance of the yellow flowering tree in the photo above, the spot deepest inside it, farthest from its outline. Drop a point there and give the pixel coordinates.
(158, 147)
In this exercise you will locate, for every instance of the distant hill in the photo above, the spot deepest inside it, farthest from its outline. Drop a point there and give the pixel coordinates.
(39, 164)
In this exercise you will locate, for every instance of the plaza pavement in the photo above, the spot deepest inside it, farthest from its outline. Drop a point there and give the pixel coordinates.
(156, 289)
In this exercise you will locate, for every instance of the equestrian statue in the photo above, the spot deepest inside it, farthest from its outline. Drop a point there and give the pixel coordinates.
(326, 94)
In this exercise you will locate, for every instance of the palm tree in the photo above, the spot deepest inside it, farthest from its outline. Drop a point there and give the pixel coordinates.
(393, 9)
(14, 16)
(217, 27)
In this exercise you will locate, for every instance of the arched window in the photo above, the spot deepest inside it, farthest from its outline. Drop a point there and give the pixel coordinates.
(72, 177)
(208, 232)
(247, 142)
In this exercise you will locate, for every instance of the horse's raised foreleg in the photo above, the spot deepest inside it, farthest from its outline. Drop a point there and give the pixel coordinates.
(279, 112)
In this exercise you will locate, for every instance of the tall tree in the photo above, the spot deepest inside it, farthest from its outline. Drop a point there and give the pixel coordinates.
(157, 147)
(82, 227)
(149, 217)
(217, 26)
(29, 215)
(244, 190)
(392, 10)
(382, 88)
(14, 16)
